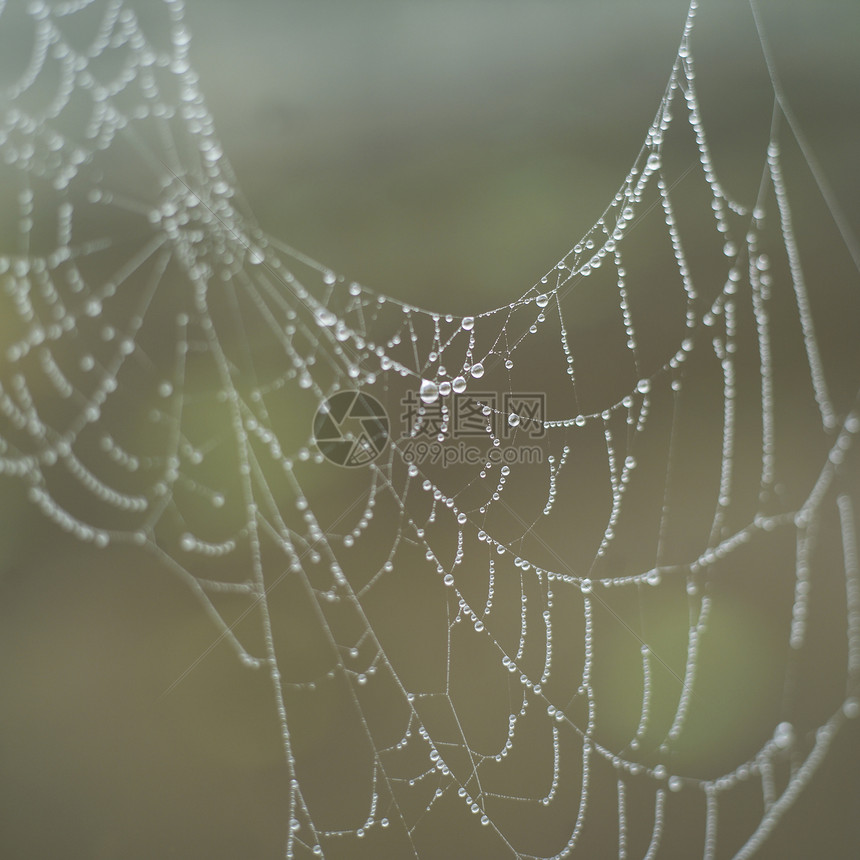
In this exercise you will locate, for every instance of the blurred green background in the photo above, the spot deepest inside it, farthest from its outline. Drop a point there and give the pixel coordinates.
(447, 154)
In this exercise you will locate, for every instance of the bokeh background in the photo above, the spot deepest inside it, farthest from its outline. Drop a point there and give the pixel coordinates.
(446, 154)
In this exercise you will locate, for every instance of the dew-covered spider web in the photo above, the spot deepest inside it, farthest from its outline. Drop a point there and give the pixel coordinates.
(586, 586)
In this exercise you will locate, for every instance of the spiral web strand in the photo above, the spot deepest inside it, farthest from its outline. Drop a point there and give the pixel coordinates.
(163, 360)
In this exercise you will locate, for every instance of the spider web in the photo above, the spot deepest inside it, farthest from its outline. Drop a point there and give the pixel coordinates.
(525, 646)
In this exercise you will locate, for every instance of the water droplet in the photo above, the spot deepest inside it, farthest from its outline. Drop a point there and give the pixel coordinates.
(783, 735)
(513, 419)
(675, 783)
(429, 392)
(586, 586)
(542, 300)
(329, 277)
(643, 386)
(467, 323)
(325, 317)
(459, 384)
(477, 370)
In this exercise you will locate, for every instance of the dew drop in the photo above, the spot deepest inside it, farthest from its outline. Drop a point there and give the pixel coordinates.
(477, 370)
(542, 300)
(783, 735)
(325, 317)
(513, 419)
(429, 391)
(467, 323)
(459, 384)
